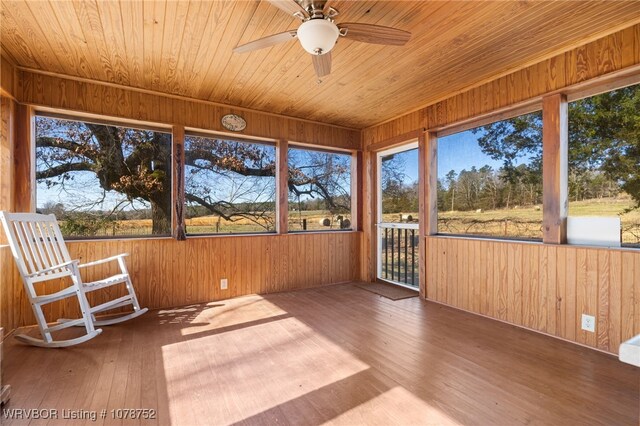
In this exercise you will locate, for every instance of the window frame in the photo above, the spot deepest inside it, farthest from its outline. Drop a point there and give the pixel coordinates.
(612, 81)
(231, 138)
(588, 90)
(81, 117)
(353, 184)
(524, 108)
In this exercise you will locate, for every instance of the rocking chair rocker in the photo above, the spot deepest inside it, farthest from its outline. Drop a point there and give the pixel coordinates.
(41, 255)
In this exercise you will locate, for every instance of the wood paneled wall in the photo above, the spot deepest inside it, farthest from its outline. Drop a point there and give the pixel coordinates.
(7, 269)
(539, 286)
(116, 101)
(542, 287)
(612, 53)
(8, 78)
(7, 191)
(169, 273)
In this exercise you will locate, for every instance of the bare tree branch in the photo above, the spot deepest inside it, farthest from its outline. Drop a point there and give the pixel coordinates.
(64, 168)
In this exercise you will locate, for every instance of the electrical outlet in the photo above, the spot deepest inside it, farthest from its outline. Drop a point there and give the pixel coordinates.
(589, 323)
(223, 284)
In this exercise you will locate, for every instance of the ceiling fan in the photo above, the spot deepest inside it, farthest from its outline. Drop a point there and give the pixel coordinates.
(318, 32)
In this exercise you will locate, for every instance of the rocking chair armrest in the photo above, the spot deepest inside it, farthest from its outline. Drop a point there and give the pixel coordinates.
(101, 261)
(45, 271)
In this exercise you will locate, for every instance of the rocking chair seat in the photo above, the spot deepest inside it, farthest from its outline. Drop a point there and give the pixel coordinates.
(41, 255)
(106, 282)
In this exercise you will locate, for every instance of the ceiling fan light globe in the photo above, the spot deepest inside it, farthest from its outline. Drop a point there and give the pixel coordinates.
(318, 36)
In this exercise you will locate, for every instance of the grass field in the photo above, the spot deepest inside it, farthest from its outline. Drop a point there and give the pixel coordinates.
(217, 225)
(527, 222)
(517, 222)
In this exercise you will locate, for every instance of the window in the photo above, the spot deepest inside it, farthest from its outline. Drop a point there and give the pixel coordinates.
(230, 186)
(604, 158)
(319, 190)
(399, 187)
(103, 180)
(490, 180)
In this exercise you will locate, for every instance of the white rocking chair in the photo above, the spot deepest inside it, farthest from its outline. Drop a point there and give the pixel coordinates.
(41, 255)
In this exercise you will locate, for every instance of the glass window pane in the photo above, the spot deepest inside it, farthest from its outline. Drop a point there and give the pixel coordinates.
(230, 186)
(399, 177)
(103, 181)
(490, 180)
(604, 158)
(319, 190)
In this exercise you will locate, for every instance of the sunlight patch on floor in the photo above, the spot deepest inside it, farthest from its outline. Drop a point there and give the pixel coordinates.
(228, 314)
(395, 403)
(252, 369)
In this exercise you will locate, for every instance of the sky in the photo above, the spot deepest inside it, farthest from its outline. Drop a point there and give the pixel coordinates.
(456, 152)
(83, 190)
(461, 152)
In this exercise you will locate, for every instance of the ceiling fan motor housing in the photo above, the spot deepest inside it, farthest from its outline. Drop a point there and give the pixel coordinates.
(318, 36)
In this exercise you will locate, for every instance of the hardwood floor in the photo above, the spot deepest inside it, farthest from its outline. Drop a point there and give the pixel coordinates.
(336, 354)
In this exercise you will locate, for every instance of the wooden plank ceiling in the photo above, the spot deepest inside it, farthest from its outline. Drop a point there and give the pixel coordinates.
(184, 48)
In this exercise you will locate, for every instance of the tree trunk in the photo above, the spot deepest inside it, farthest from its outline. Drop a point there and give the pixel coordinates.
(453, 199)
(161, 213)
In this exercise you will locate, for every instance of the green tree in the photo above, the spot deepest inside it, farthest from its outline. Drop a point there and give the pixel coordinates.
(604, 145)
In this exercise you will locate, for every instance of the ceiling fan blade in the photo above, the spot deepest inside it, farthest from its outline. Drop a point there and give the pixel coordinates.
(322, 64)
(290, 7)
(268, 41)
(376, 34)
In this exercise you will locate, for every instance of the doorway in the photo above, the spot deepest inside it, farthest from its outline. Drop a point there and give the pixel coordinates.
(397, 216)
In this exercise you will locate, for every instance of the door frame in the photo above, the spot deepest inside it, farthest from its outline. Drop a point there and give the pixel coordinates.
(408, 146)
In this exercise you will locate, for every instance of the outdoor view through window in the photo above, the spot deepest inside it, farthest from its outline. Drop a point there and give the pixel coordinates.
(230, 186)
(604, 158)
(319, 190)
(103, 180)
(490, 180)
(399, 179)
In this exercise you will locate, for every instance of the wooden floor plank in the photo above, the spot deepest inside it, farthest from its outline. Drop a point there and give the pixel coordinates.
(337, 354)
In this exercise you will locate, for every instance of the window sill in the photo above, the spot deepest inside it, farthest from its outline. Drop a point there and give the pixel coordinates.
(116, 238)
(328, 231)
(270, 234)
(239, 234)
(489, 238)
(531, 242)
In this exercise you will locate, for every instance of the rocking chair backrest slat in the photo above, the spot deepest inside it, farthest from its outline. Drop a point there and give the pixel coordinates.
(58, 239)
(53, 243)
(19, 247)
(38, 252)
(46, 244)
(36, 242)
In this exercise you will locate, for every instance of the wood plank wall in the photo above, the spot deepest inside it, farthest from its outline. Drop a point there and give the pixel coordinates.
(542, 287)
(8, 272)
(8, 78)
(612, 53)
(116, 101)
(167, 272)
